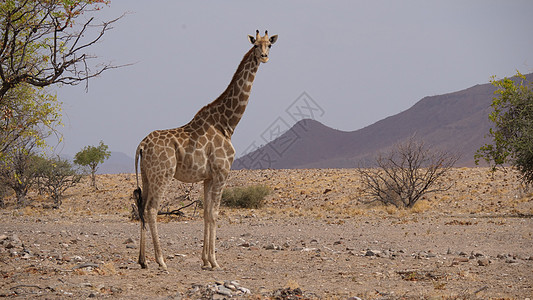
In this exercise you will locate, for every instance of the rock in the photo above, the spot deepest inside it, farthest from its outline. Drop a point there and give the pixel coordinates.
(483, 262)
(77, 258)
(13, 252)
(372, 253)
(85, 265)
(9, 245)
(15, 239)
(270, 247)
(310, 249)
(273, 247)
(477, 254)
(510, 261)
(223, 290)
(129, 241)
(230, 286)
(244, 290)
(458, 260)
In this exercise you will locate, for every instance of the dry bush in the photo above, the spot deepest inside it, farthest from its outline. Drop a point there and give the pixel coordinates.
(406, 173)
(245, 197)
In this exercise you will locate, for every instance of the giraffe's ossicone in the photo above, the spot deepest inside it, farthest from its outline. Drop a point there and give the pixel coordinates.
(201, 150)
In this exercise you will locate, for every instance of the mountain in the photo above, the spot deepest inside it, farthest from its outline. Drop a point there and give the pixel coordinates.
(117, 163)
(456, 122)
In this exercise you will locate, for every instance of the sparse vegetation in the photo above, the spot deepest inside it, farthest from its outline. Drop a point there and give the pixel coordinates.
(17, 170)
(245, 197)
(406, 173)
(56, 175)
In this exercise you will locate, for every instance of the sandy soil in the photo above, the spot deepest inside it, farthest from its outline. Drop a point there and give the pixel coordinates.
(313, 239)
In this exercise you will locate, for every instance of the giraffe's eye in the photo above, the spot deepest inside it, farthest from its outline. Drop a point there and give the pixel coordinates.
(269, 46)
(255, 46)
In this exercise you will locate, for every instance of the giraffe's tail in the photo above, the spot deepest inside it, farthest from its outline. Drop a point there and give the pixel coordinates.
(137, 193)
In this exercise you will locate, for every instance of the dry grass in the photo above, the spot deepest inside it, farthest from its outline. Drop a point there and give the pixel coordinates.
(319, 193)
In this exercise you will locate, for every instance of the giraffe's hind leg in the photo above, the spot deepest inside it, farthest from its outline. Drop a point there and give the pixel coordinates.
(152, 223)
(142, 242)
(152, 194)
(141, 206)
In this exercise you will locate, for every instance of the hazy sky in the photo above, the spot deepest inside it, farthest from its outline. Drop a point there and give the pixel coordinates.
(359, 61)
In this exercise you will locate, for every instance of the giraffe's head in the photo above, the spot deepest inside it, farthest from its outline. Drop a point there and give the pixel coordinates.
(262, 45)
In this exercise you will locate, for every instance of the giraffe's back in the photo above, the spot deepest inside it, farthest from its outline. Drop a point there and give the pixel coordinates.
(189, 156)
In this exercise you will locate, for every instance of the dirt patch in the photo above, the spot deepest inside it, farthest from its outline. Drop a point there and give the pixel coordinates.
(474, 241)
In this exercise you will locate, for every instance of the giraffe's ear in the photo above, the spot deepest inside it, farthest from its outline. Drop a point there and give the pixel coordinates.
(252, 39)
(273, 39)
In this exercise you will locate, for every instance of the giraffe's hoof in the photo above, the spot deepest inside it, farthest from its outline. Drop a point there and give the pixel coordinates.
(211, 267)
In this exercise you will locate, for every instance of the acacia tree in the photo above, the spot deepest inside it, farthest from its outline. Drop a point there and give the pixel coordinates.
(512, 133)
(43, 43)
(91, 157)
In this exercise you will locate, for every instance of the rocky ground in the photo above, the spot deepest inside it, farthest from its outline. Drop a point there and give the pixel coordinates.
(315, 238)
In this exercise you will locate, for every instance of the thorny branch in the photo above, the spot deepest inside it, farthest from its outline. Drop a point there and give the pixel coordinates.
(42, 45)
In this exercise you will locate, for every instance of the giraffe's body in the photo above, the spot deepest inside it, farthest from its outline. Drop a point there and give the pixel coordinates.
(201, 150)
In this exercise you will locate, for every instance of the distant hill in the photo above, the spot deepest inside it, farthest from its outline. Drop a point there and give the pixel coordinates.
(117, 163)
(455, 122)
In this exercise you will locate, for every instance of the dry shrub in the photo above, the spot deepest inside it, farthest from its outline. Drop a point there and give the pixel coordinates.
(406, 173)
(245, 197)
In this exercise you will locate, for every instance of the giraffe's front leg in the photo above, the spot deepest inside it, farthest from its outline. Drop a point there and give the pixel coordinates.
(212, 194)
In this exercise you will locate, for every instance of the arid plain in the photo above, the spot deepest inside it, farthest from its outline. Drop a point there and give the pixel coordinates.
(314, 238)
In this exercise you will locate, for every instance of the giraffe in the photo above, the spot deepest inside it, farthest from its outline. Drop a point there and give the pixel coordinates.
(201, 150)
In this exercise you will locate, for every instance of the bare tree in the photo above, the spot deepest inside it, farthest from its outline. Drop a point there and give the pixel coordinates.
(406, 173)
(44, 42)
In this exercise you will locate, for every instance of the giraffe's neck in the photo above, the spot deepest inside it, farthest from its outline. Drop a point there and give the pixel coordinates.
(226, 111)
